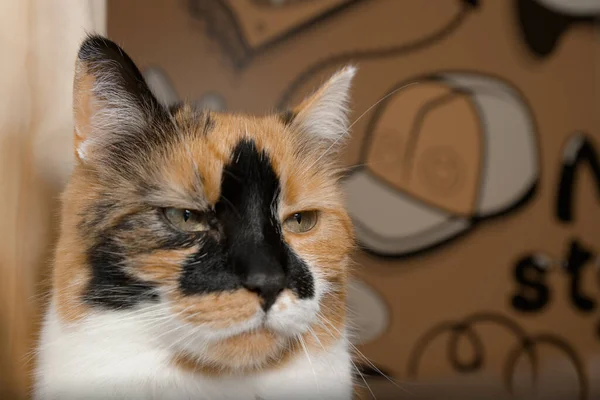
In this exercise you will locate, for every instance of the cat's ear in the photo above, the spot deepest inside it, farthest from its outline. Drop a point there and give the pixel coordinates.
(323, 116)
(110, 97)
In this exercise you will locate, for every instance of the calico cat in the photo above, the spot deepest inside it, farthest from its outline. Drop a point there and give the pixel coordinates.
(202, 255)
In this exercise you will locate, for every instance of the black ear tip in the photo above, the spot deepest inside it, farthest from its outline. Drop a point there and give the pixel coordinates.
(104, 59)
(96, 47)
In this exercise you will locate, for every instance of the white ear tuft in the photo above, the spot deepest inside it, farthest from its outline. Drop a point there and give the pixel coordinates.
(324, 115)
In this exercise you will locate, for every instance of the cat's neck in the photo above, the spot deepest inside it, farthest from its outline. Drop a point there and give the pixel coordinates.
(117, 356)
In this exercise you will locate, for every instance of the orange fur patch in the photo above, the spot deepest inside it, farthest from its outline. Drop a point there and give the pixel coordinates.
(83, 104)
(162, 266)
(246, 353)
(217, 310)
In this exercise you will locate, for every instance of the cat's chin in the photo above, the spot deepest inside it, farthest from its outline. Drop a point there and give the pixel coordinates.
(253, 343)
(243, 352)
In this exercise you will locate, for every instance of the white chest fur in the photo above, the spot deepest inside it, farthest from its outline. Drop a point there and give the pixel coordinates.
(116, 358)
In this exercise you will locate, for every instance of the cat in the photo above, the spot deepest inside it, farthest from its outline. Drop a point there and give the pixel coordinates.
(202, 255)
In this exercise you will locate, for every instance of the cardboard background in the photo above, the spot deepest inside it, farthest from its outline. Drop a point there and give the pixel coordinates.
(473, 274)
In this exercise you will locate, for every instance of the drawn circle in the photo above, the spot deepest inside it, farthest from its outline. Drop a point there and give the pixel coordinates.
(441, 169)
(464, 332)
(526, 346)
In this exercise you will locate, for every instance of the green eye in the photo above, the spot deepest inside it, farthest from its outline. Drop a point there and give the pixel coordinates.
(187, 220)
(301, 222)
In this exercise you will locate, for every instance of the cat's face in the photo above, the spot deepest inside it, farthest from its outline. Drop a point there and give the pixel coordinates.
(231, 228)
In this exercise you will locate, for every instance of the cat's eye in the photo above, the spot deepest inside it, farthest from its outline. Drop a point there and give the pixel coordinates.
(301, 222)
(187, 220)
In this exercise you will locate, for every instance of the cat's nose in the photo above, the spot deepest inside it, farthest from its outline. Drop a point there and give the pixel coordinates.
(267, 286)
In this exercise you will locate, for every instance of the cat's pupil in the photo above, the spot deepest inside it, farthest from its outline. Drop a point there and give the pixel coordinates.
(298, 218)
(186, 215)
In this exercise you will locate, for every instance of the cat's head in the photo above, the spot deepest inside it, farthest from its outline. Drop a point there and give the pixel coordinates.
(231, 228)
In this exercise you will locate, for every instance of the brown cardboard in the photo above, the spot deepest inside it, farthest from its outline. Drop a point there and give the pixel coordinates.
(478, 225)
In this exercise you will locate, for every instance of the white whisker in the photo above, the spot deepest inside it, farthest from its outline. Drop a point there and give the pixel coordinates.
(336, 141)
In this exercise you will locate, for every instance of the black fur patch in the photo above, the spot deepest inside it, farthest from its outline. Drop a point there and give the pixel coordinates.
(135, 234)
(251, 252)
(104, 57)
(110, 286)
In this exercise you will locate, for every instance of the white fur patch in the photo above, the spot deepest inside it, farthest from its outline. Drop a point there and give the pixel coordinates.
(122, 355)
(326, 114)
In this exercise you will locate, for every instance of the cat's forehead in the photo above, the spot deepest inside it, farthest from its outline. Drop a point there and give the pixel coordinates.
(223, 131)
(210, 142)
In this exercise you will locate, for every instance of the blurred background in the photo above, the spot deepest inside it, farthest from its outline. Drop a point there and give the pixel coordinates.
(473, 169)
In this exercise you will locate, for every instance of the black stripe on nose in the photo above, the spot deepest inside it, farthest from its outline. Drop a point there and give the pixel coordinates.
(252, 252)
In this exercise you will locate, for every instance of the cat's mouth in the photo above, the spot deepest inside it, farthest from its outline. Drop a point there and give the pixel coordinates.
(231, 316)
(287, 318)
(243, 352)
